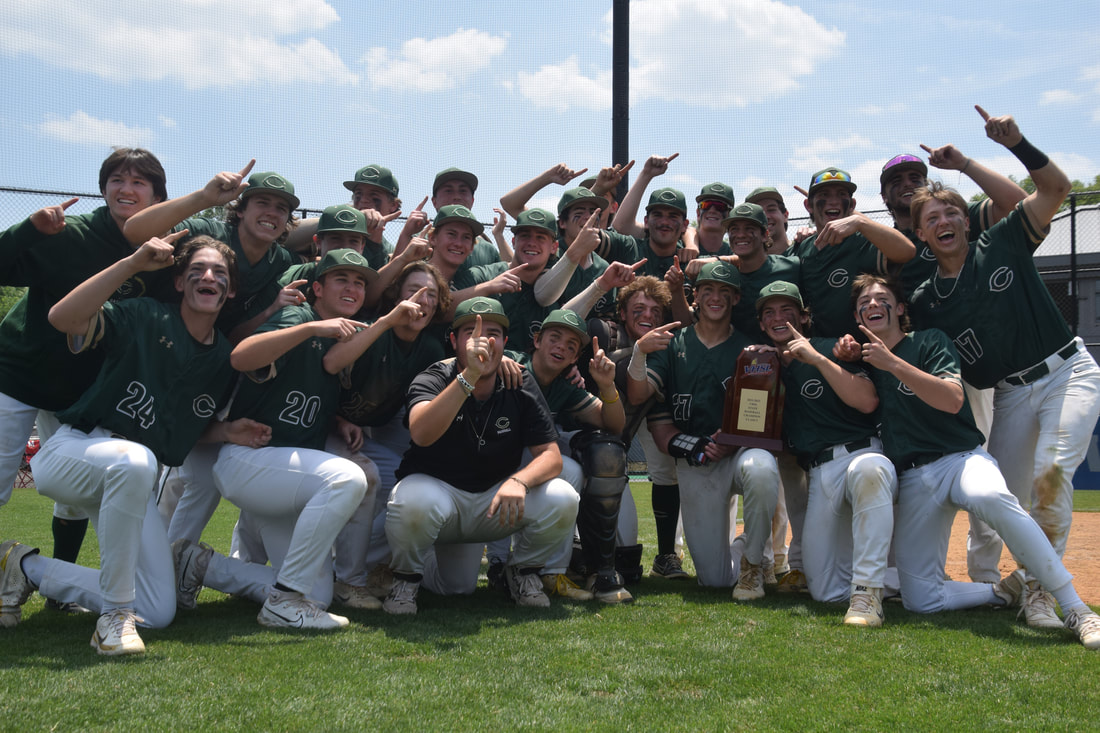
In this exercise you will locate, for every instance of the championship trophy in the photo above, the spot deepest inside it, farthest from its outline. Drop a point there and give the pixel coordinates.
(753, 414)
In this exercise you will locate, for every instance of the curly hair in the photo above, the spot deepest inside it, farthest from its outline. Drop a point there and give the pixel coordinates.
(651, 286)
(186, 252)
(392, 294)
(939, 192)
(234, 209)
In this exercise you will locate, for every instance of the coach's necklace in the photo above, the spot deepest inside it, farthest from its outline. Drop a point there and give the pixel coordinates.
(936, 285)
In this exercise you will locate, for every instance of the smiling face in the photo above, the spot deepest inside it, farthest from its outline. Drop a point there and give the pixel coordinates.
(264, 217)
(489, 329)
(573, 219)
(944, 227)
(715, 301)
(899, 188)
(640, 315)
(329, 241)
(452, 243)
(557, 348)
(533, 246)
(428, 300)
(878, 309)
(776, 313)
(746, 239)
(777, 217)
(339, 293)
(665, 225)
(710, 213)
(205, 281)
(830, 202)
(127, 192)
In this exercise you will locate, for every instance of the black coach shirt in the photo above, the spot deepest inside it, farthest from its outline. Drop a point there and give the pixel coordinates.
(484, 443)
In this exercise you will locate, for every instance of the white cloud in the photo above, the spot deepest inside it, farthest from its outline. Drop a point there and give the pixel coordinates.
(705, 53)
(166, 121)
(563, 86)
(242, 42)
(1058, 96)
(824, 152)
(874, 110)
(82, 128)
(433, 65)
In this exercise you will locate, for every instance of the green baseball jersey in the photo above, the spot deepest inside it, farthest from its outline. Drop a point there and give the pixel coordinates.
(295, 395)
(158, 385)
(775, 268)
(377, 254)
(910, 426)
(566, 400)
(304, 271)
(372, 391)
(923, 266)
(814, 417)
(524, 312)
(692, 379)
(998, 311)
(257, 284)
(484, 253)
(827, 276)
(36, 366)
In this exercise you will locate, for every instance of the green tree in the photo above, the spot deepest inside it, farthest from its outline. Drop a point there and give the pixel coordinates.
(1091, 190)
(8, 298)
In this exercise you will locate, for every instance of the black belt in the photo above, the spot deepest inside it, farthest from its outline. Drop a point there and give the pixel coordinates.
(920, 459)
(827, 455)
(1040, 370)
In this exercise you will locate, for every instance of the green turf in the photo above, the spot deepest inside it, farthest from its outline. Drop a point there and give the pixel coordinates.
(681, 657)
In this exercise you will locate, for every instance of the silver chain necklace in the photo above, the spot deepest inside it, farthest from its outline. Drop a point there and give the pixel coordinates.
(936, 285)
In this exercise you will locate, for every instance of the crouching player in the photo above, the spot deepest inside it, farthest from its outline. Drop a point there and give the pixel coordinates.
(931, 438)
(166, 370)
(297, 496)
(461, 481)
(829, 424)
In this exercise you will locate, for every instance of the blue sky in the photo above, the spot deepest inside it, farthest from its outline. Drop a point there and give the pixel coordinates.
(749, 92)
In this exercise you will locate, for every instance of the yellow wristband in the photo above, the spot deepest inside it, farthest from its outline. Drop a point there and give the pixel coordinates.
(610, 402)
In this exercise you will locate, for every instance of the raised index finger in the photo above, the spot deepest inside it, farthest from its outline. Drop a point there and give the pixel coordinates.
(69, 203)
(593, 219)
(982, 112)
(672, 157)
(639, 263)
(794, 330)
(477, 328)
(248, 168)
(420, 207)
(870, 334)
(925, 148)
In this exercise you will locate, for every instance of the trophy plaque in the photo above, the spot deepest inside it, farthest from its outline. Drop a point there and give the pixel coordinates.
(753, 414)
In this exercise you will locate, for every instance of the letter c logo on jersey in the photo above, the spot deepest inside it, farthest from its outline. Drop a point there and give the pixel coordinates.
(904, 389)
(927, 254)
(812, 389)
(839, 278)
(204, 406)
(1000, 280)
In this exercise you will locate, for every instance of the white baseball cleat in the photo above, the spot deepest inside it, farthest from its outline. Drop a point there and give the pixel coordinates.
(116, 633)
(15, 588)
(401, 600)
(355, 596)
(1086, 625)
(865, 607)
(750, 583)
(526, 588)
(292, 610)
(1039, 608)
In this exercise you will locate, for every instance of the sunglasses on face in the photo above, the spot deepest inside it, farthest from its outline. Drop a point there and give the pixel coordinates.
(721, 206)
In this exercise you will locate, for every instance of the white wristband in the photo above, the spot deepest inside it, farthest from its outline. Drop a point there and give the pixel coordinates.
(636, 369)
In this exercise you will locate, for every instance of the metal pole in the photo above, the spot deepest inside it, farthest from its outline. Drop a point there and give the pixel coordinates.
(1077, 300)
(620, 89)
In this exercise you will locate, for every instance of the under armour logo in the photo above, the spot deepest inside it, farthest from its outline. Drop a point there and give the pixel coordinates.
(164, 340)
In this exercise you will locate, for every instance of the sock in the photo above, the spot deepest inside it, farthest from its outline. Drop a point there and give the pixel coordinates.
(68, 536)
(1067, 598)
(666, 511)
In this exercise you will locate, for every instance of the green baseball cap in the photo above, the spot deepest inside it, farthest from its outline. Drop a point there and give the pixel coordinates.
(454, 174)
(719, 272)
(778, 289)
(345, 259)
(273, 183)
(830, 175)
(342, 218)
(374, 175)
(580, 195)
(537, 219)
(716, 192)
(763, 193)
(566, 319)
(668, 197)
(459, 213)
(747, 212)
(488, 308)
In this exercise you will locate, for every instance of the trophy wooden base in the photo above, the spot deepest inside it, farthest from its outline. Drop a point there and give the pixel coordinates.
(749, 441)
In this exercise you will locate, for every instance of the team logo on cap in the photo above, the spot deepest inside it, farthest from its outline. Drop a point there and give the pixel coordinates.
(274, 181)
(776, 288)
(462, 211)
(481, 306)
(537, 216)
(721, 271)
(571, 318)
(345, 216)
(666, 196)
(371, 172)
(351, 258)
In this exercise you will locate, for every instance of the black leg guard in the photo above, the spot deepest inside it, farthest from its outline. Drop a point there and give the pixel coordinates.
(603, 458)
(68, 536)
(666, 512)
(628, 561)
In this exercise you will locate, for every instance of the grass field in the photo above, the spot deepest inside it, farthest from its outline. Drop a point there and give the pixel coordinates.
(680, 658)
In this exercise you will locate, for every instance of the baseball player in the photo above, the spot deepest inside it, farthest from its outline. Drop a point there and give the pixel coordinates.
(51, 253)
(643, 305)
(691, 374)
(989, 298)
(932, 440)
(846, 244)
(461, 481)
(775, 209)
(829, 423)
(454, 186)
(376, 367)
(165, 371)
(300, 495)
(339, 227)
(454, 231)
(713, 205)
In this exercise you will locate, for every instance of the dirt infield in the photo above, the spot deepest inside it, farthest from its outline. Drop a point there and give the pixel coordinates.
(1082, 556)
